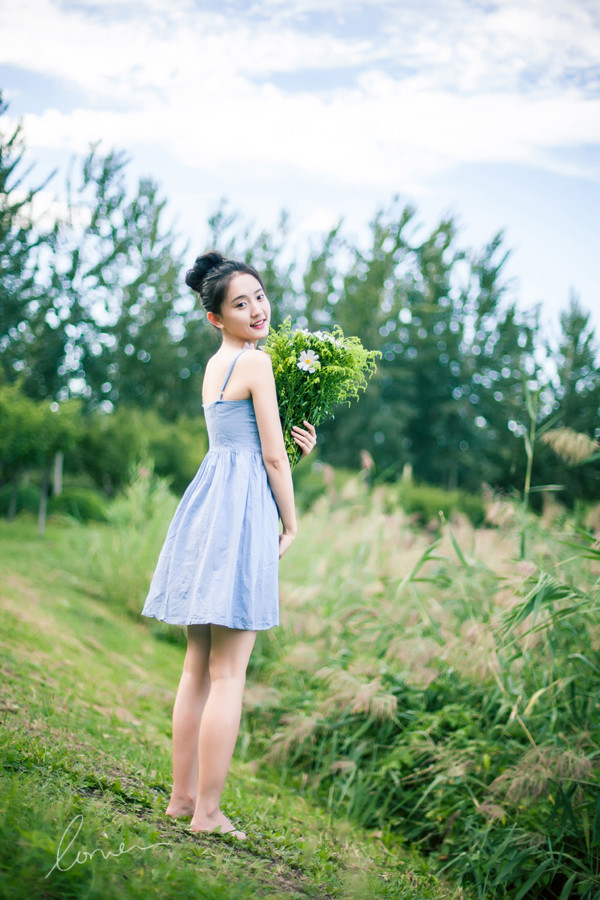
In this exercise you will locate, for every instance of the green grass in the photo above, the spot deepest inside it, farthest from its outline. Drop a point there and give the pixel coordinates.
(86, 701)
(427, 690)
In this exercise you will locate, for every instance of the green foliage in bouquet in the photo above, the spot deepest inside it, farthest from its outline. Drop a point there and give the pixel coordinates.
(314, 372)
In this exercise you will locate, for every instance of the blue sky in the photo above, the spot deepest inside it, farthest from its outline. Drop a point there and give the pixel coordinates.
(329, 108)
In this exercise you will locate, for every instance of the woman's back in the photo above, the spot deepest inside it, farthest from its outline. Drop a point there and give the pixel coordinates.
(221, 374)
(231, 425)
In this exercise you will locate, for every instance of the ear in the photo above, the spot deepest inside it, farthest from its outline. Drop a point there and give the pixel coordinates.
(214, 319)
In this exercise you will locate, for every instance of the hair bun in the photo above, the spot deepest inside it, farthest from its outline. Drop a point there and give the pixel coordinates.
(204, 264)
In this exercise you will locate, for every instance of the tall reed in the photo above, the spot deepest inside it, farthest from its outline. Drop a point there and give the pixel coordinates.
(438, 687)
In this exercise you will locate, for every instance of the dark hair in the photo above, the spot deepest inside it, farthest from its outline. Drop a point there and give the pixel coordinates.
(210, 276)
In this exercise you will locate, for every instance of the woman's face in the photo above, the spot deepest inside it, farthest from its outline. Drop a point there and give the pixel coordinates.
(246, 312)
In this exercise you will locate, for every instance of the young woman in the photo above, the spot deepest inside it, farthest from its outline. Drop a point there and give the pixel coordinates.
(217, 571)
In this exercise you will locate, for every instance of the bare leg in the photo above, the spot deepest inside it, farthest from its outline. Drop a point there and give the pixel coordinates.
(230, 651)
(187, 713)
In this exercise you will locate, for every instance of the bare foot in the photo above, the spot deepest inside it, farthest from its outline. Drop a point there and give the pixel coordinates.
(219, 824)
(180, 808)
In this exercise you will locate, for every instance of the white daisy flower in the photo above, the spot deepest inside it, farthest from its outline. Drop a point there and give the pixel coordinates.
(308, 360)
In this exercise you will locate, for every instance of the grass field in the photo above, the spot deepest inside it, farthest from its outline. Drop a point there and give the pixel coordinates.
(424, 723)
(87, 693)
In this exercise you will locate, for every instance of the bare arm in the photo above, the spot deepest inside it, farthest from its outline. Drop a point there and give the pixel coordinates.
(264, 398)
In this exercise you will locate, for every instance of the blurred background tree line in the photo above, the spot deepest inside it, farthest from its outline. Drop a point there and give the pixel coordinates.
(102, 346)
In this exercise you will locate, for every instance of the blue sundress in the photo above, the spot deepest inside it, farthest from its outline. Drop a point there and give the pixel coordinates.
(220, 559)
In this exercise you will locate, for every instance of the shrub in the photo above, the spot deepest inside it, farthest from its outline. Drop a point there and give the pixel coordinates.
(426, 501)
(114, 443)
(28, 498)
(84, 504)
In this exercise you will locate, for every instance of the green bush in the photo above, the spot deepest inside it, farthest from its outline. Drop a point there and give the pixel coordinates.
(452, 772)
(427, 501)
(177, 449)
(84, 504)
(113, 443)
(28, 498)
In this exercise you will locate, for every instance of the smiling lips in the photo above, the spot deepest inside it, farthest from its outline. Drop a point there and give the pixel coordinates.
(259, 324)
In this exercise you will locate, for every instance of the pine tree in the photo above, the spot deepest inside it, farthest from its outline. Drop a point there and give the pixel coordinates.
(577, 398)
(133, 343)
(26, 314)
(498, 356)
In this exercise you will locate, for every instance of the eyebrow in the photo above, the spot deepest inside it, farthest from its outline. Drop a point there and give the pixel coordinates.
(245, 296)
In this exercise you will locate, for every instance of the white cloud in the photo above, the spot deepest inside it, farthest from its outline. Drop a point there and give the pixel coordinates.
(425, 87)
(510, 47)
(133, 56)
(489, 86)
(381, 133)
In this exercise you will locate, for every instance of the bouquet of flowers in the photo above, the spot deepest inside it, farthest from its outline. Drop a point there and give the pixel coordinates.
(314, 372)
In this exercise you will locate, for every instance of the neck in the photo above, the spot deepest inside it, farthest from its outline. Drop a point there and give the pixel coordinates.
(235, 344)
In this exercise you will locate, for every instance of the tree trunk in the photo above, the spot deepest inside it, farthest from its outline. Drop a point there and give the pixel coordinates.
(44, 499)
(453, 476)
(57, 474)
(14, 497)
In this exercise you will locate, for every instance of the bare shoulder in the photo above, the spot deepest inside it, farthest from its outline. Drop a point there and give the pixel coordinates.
(257, 358)
(210, 364)
(257, 365)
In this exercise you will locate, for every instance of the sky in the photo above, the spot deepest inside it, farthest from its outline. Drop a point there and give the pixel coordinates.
(488, 111)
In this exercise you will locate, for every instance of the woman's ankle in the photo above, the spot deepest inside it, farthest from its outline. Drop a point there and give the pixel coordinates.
(181, 805)
(209, 820)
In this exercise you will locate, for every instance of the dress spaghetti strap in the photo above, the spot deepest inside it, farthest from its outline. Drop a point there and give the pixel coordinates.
(235, 359)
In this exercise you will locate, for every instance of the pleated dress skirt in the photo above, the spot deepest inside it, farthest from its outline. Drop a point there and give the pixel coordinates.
(219, 563)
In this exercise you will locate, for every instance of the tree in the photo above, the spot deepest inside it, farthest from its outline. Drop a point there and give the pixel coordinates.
(95, 307)
(32, 433)
(27, 330)
(21, 419)
(60, 428)
(449, 383)
(441, 424)
(365, 301)
(497, 357)
(576, 387)
(124, 293)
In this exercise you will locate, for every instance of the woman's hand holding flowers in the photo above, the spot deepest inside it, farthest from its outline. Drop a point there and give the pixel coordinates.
(306, 438)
